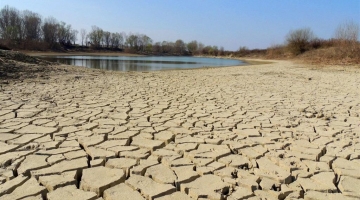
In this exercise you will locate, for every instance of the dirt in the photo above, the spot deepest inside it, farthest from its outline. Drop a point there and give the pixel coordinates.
(281, 130)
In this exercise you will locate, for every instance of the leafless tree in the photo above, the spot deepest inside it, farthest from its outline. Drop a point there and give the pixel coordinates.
(83, 36)
(10, 24)
(221, 51)
(156, 48)
(243, 51)
(132, 41)
(215, 50)
(201, 46)
(32, 25)
(73, 36)
(347, 32)
(50, 31)
(116, 40)
(167, 47)
(145, 43)
(87, 40)
(107, 38)
(180, 47)
(64, 33)
(95, 36)
(122, 39)
(27, 29)
(298, 40)
(192, 46)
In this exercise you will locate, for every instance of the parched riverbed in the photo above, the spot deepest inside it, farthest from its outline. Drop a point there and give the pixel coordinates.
(275, 131)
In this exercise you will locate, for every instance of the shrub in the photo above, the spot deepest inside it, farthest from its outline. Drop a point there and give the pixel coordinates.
(347, 35)
(3, 46)
(276, 51)
(243, 51)
(318, 43)
(298, 41)
(347, 32)
(34, 45)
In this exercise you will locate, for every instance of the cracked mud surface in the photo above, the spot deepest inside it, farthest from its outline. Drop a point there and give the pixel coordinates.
(275, 131)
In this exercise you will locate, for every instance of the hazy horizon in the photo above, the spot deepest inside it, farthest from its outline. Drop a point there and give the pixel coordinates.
(231, 24)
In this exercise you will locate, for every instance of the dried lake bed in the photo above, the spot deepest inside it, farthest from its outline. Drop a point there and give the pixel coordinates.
(277, 131)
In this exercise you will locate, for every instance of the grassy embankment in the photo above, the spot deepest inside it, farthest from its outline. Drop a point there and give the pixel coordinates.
(302, 45)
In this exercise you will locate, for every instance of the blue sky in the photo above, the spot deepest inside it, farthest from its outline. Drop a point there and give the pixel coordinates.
(227, 23)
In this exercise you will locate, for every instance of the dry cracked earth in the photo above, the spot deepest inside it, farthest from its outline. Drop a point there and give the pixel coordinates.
(274, 131)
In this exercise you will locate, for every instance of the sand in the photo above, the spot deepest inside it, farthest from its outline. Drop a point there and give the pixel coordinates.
(279, 130)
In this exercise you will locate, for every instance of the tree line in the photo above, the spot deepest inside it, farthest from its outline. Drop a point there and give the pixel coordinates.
(28, 30)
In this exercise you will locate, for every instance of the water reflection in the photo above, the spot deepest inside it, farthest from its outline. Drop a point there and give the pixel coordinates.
(151, 63)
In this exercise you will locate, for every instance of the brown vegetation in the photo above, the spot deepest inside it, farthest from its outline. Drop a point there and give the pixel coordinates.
(277, 52)
(302, 45)
(332, 51)
(337, 55)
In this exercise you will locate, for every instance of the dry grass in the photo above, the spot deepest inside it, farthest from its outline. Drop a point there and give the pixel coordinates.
(253, 53)
(277, 52)
(338, 55)
(328, 52)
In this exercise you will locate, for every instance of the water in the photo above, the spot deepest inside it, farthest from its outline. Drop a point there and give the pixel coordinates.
(143, 63)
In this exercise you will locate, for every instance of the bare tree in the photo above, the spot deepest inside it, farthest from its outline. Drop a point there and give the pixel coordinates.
(107, 38)
(133, 42)
(116, 40)
(347, 32)
(243, 51)
(32, 25)
(10, 24)
(83, 36)
(73, 36)
(122, 39)
(201, 46)
(28, 29)
(298, 40)
(145, 43)
(167, 47)
(50, 30)
(192, 46)
(87, 39)
(180, 47)
(156, 48)
(221, 51)
(95, 36)
(208, 50)
(215, 50)
(64, 33)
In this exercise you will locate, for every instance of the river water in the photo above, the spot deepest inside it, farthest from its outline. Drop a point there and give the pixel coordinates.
(143, 63)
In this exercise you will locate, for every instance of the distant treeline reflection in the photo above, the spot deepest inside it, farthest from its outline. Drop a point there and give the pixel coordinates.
(125, 63)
